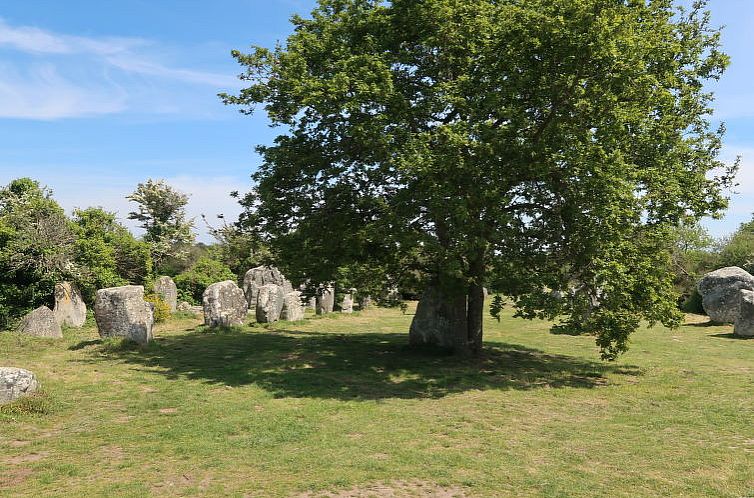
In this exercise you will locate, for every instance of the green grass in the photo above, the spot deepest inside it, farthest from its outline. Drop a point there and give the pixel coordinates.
(340, 404)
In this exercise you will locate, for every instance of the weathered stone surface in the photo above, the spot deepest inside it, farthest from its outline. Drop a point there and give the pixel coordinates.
(70, 308)
(224, 304)
(365, 302)
(40, 323)
(166, 289)
(260, 276)
(16, 383)
(440, 320)
(270, 301)
(721, 299)
(744, 325)
(293, 309)
(122, 312)
(325, 300)
(346, 306)
(184, 307)
(312, 303)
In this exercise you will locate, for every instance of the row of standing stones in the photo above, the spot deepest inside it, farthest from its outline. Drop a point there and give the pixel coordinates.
(123, 312)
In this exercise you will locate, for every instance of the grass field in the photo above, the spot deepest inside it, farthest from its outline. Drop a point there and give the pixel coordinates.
(339, 406)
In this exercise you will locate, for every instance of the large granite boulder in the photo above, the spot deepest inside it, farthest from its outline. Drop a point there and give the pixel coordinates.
(168, 292)
(122, 312)
(293, 309)
(70, 308)
(346, 306)
(224, 305)
(260, 276)
(440, 320)
(744, 325)
(325, 300)
(270, 301)
(40, 323)
(16, 383)
(720, 292)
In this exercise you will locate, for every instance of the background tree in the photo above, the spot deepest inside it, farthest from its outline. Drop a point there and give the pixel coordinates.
(162, 213)
(537, 145)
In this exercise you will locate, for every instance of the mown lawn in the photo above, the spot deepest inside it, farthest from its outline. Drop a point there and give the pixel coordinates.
(339, 406)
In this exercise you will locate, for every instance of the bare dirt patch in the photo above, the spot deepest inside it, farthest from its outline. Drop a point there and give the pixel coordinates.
(30, 458)
(168, 411)
(393, 489)
(14, 477)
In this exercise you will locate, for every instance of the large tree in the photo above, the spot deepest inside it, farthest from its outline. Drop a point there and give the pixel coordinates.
(545, 147)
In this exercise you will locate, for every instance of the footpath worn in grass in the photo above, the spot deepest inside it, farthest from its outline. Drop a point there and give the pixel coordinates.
(339, 406)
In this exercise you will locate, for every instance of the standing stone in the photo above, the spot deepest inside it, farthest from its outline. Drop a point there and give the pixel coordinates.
(744, 325)
(122, 312)
(16, 383)
(312, 302)
(719, 289)
(183, 307)
(70, 308)
(293, 310)
(325, 300)
(168, 292)
(365, 302)
(346, 306)
(440, 320)
(224, 305)
(260, 276)
(40, 323)
(270, 302)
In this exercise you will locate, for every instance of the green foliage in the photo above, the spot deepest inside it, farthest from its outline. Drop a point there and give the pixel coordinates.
(192, 283)
(497, 306)
(530, 145)
(738, 250)
(161, 308)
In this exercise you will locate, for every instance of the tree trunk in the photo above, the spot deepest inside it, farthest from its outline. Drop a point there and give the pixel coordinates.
(475, 307)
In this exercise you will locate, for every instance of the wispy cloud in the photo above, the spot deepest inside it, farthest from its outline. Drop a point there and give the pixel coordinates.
(46, 75)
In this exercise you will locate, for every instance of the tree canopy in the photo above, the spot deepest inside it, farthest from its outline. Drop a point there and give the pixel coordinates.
(546, 148)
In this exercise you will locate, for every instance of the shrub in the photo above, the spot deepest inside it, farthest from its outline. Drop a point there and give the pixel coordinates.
(161, 308)
(201, 275)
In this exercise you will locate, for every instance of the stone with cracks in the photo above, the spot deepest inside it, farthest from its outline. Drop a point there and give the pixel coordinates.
(719, 289)
(439, 321)
(70, 308)
(260, 276)
(224, 305)
(325, 300)
(744, 325)
(168, 292)
(16, 383)
(293, 309)
(270, 300)
(40, 323)
(122, 312)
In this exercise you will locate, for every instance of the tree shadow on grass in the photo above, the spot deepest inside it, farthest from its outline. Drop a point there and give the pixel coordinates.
(365, 366)
(731, 335)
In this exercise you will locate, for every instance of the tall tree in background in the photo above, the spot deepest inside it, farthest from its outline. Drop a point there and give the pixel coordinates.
(537, 145)
(162, 213)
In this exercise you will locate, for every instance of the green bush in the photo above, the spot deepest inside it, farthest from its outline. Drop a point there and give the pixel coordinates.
(161, 308)
(205, 272)
(693, 304)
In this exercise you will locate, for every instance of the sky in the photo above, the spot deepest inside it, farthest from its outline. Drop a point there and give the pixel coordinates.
(96, 97)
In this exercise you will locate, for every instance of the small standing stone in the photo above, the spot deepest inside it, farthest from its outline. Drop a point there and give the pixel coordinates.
(41, 323)
(168, 292)
(270, 301)
(70, 308)
(346, 306)
(16, 383)
(292, 307)
(325, 300)
(744, 326)
(260, 276)
(312, 302)
(184, 307)
(224, 305)
(122, 312)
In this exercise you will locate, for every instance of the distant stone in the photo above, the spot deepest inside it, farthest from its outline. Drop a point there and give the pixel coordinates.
(312, 303)
(270, 301)
(365, 302)
(40, 323)
(224, 305)
(261, 276)
(720, 292)
(16, 383)
(122, 312)
(168, 292)
(440, 320)
(325, 300)
(744, 325)
(346, 306)
(183, 307)
(293, 310)
(70, 308)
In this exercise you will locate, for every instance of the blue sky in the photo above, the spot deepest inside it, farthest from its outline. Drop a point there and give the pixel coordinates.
(98, 96)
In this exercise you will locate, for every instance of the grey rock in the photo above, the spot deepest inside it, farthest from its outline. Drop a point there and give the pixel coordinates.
(224, 304)
(365, 302)
(166, 289)
(744, 325)
(293, 309)
(346, 306)
(325, 300)
(16, 383)
(312, 303)
(440, 320)
(40, 323)
(719, 289)
(122, 312)
(184, 307)
(70, 308)
(260, 276)
(270, 300)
